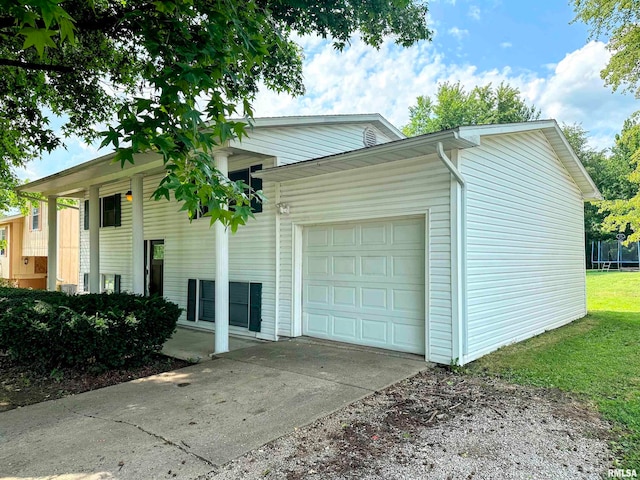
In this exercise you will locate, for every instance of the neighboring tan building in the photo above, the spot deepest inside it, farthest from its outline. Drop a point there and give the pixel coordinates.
(24, 258)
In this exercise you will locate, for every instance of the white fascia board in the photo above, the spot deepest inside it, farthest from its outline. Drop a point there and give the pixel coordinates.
(309, 120)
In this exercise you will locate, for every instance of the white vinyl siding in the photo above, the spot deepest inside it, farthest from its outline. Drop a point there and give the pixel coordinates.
(190, 248)
(410, 187)
(295, 144)
(115, 242)
(525, 242)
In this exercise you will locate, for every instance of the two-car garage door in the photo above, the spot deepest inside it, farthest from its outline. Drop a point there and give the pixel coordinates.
(363, 283)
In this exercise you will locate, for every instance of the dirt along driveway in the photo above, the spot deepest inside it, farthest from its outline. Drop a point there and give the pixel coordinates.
(444, 426)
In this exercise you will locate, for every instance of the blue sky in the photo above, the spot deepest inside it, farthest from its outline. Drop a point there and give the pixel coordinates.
(531, 45)
(526, 35)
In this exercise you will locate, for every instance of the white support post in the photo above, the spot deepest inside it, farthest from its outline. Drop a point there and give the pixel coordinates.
(222, 269)
(94, 239)
(137, 237)
(52, 245)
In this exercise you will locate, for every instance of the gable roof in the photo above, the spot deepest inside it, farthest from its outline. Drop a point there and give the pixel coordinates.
(557, 141)
(457, 138)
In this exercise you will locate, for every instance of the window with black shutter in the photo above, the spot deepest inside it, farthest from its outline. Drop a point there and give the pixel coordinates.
(245, 303)
(207, 310)
(254, 184)
(110, 211)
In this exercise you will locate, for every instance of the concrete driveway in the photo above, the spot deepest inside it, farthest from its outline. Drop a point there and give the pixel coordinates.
(185, 423)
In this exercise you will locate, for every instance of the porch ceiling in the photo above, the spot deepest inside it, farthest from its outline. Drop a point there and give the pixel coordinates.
(103, 170)
(383, 153)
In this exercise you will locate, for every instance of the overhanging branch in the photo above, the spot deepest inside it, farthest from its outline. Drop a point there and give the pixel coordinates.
(35, 66)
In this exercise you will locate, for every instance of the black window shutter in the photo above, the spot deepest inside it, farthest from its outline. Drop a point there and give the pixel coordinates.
(118, 210)
(256, 184)
(116, 283)
(85, 282)
(239, 304)
(86, 215)
(191, 300)
(255, 307)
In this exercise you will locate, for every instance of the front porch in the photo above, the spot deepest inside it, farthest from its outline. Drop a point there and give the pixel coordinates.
(132, 243)
(198, 345)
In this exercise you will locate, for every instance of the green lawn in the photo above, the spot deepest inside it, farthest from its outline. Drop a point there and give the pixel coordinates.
(597, 357)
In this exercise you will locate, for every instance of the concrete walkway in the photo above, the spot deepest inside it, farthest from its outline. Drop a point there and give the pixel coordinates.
(197, 345)
(185, 423)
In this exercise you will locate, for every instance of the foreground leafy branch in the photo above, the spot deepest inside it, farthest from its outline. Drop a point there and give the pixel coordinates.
(168, 75)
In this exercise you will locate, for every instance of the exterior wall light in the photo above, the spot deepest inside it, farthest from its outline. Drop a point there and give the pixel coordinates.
(283, 208)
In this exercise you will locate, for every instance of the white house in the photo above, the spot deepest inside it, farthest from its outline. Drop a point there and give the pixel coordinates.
(447, 245)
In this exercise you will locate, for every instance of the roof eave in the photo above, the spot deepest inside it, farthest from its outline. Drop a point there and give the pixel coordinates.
(414, 146)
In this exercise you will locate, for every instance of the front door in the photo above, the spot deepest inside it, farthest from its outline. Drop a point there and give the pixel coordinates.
(154, 266)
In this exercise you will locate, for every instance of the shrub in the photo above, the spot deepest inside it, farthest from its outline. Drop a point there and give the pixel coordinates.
(93, 331)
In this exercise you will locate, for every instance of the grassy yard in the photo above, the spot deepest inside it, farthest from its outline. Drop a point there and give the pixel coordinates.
(597, 357)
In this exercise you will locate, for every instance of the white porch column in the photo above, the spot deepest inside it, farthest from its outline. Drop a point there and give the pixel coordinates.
(94, 239)
(222, 269)
(137, 237)
(52, 245)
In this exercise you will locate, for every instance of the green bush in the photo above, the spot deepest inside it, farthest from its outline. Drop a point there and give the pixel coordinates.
(93, 331)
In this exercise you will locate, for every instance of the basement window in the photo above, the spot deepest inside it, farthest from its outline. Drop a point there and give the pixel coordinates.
(245, 303)
(110, 283)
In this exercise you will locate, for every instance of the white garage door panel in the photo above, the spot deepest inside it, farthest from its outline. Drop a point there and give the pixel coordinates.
(364, 283)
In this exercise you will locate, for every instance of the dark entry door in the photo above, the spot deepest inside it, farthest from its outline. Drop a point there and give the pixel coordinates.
(154, 266)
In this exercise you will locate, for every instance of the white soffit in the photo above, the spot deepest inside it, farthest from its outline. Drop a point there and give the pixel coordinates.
(103, 170)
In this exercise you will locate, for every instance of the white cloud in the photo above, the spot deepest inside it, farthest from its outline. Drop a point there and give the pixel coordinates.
(387, 81)
(506, 45)
(458, 33)
(474, 12)
(575, 93)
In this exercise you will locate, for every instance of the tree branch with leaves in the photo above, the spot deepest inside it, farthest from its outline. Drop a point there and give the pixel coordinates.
(167, 76)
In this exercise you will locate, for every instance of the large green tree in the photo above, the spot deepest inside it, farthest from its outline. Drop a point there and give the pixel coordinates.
(619, 22)
(610, 172)
(623, 210)
(167, 75)
(453, 106)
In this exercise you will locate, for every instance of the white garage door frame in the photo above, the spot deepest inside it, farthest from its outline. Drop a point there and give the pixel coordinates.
(297, 261)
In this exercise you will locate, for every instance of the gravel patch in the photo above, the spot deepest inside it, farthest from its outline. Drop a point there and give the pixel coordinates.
(444, 426)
